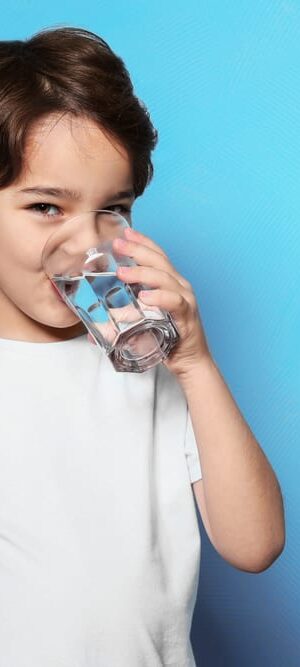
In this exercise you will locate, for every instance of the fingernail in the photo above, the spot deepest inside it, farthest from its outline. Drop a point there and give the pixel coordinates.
(129, 231)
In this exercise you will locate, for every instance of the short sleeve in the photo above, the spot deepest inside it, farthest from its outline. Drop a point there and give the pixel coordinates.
(191, 452)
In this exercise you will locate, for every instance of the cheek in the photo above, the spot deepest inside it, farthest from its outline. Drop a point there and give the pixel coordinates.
(24, 282)
(20, 262)
(20, 249)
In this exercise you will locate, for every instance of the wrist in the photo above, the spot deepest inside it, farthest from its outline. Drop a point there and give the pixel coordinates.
(194, 371)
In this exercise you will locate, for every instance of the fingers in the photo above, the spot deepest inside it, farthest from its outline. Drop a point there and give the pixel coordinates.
(148, 276)
(138, 237)
(144, 255)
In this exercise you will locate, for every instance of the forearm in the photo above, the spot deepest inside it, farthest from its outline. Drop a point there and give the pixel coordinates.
(242, 495)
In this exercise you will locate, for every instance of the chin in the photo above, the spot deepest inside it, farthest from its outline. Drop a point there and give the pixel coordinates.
(60, 317)
(61, 322)
(49, 310)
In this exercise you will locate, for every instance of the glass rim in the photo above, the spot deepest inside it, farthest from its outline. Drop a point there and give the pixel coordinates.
(96, 210)
(75, 217)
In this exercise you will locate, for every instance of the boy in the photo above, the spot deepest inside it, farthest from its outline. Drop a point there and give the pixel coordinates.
(99, 542)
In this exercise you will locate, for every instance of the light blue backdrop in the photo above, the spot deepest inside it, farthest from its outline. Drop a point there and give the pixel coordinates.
(222, 80)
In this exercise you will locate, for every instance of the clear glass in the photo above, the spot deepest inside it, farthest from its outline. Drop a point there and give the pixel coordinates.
(81, 263)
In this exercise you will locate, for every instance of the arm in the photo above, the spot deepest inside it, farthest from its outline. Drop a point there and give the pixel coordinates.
(239, 497)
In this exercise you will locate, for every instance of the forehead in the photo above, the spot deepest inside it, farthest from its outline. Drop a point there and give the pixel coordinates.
(74, 149)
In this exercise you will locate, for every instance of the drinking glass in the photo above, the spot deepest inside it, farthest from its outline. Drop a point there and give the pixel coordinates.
(81, 262)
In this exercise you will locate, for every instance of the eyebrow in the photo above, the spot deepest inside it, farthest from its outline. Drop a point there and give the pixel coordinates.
(71, 194)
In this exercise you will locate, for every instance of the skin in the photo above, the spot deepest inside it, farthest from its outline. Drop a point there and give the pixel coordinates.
(238, 497)
(61, 152)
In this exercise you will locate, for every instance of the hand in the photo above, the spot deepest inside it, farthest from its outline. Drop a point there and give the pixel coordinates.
(171, 292)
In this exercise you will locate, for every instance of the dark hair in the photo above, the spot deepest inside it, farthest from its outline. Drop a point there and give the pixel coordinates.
(70, 70)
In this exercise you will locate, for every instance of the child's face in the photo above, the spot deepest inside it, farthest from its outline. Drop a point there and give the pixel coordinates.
(69, 153)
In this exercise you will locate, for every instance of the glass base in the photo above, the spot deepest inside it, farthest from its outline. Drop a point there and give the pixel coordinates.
(125, 355)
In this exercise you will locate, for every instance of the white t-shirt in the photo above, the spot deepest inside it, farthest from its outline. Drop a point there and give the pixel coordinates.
(99, 539)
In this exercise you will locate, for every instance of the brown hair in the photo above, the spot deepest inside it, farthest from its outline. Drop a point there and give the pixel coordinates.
(70, 70)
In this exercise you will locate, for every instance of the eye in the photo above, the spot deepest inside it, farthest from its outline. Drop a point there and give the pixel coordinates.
(46, 210)
(123, 209)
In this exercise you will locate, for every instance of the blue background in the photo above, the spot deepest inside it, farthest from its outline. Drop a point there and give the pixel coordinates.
(222, 82)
